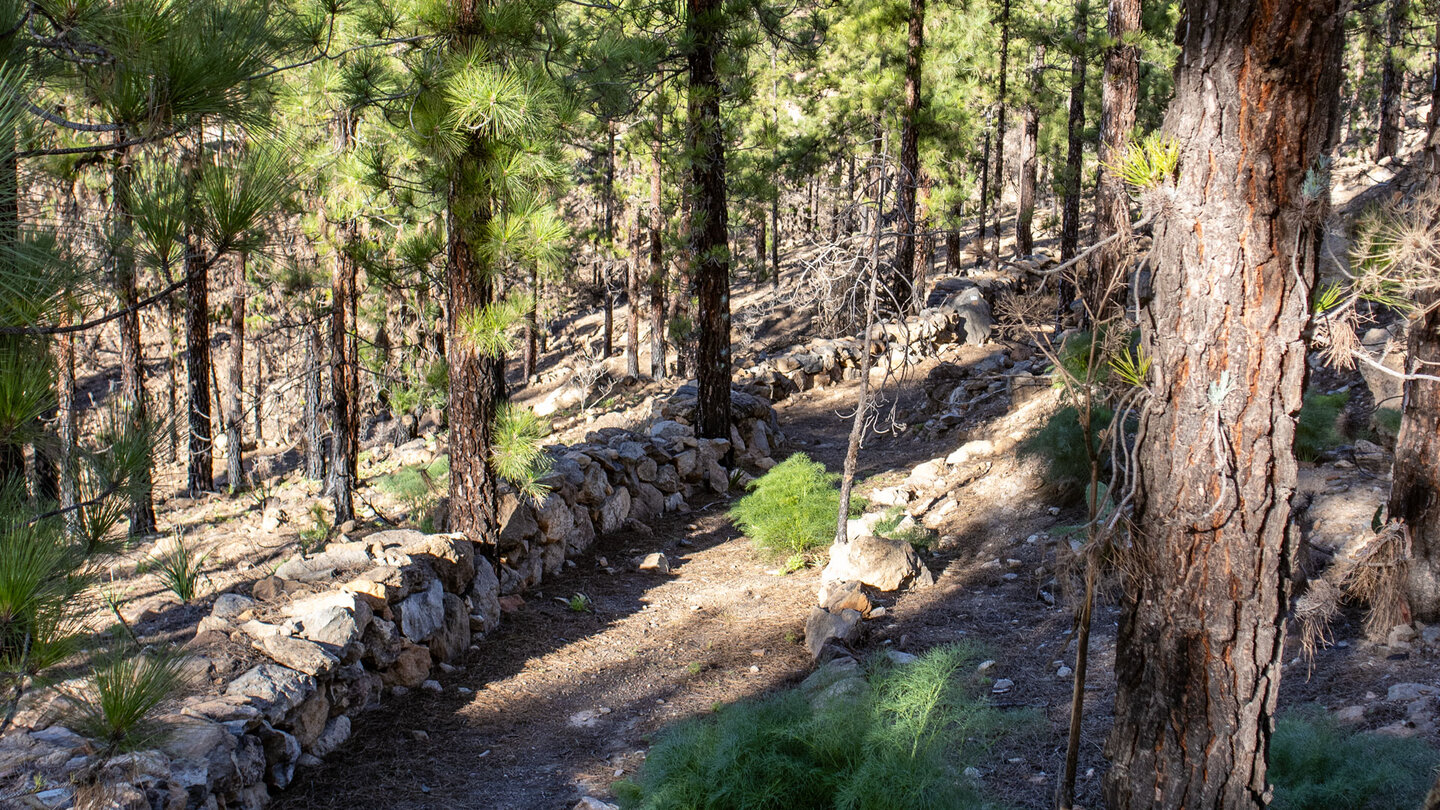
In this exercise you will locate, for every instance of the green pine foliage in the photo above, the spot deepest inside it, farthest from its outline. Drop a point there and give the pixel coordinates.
(901, 739)
(118, 703)
(1066, 446)
(1317, 764)
(179, 568)
(1318, 429)
(790, 511)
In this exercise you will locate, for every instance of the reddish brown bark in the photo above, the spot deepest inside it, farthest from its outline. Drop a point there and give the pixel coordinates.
(1415, 482)
(1201, 640)
(1029, 157)
(1119, 92)
(902, 279)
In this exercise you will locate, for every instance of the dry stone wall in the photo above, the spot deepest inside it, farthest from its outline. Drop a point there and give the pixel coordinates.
(326, 637)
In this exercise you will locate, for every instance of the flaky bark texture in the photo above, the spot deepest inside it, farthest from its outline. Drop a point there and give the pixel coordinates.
(632, 300)
(705, 22)
(1200, 645)
(1392, 78)
(1119, 91)
(201, 476)
(342, 290)
(1000, 131)
(234, 416)
(314, 443)
(657, 255)
(1415, 483)
(902, 280)
(1029, 157)
(1431, 151)
(1074, 154)
(132, 361)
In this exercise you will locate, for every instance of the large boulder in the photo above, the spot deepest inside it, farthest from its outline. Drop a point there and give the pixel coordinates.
(878, 562)
(422, 614)
(273, 689)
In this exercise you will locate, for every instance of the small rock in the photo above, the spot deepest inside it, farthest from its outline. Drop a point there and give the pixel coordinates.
(1400, 635)
(1350, 714)
(986, 665)
(1002, 686)
(1064, 672)
(592, 803)
(654, 561)
(432, 686)
(972, 772)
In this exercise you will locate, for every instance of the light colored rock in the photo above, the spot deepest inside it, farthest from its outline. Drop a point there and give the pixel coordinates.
(307, 722)
(453, 637)
(451, 557)
(421, 614)
(614, 511)
(839, 595)
(383, 642)
(1406, 692)
(229, 605)
(484, 599)
(654, 561)
(336, 732)
(592, 803)
(970, 450)
(411, 667)
(273, 689)
(298, 654)
(878, 562)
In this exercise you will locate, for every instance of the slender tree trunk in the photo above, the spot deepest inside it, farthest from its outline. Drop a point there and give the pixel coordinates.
(925, 249)
(201, 474)
(1201, 640)
(657, 254)
(760, 244)
(1392, 80)
(1432, 119)
(531, 354)
(1415, 482)
(902, 279)
(1000, 130)
(1118, 96)
(257, 415)
(68, 424)
(235, 416)
(314, 441)
(705, 23)
(952, 244)
(680, 301)
(342, 289)
(984, 198)
(132, 360)
(775, 239)
(1074, 147)
(608, 193)
(1029, 157)
(632, 300)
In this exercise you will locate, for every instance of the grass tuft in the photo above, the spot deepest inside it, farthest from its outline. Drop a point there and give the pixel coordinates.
(1317, 764)
(901, 739)
(1318, 429)
(180, 569)
(118, 704)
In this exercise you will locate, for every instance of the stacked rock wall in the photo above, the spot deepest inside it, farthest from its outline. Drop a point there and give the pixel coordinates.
(326, 636)
(963, 316)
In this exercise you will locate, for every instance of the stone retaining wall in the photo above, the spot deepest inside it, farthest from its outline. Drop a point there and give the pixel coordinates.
(325, 637)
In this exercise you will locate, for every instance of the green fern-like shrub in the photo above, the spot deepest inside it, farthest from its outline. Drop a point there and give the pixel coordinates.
(791, 510)
(1318, 429)
(902, 739)
(1317, 764)
(1063, 444)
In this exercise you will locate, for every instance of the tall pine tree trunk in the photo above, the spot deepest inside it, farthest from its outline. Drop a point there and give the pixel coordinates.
(657, 255)
(1001, 101)
(342, 289)
(632, 299)
(310, 419)
(1074, 146)
(1029, 158)
(984, 198)
(532, 326)
(1119, 93)
(1201, 640)
(1415, 482)
(132, 360)
(902, 279)
(1392, 79)
(200, 466)
(705, 24)
(1431, 151)
(608, 193)
(477, 380)
(235, 416)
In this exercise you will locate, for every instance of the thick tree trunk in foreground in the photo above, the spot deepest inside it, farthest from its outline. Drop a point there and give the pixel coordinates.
(705, 23)
(1392, 79)
(201, 473)
(1029, 158)
(132, 360)
(1119, 92)
(902, 279)
(1415, 483)
(1201, 639)
(234, 416)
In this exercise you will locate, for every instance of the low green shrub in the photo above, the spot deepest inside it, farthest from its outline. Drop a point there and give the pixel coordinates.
(1318, 429)
(118, 704)
(901, 740)
(1064, 444)
(1317, 764)
(417, 486)
(180, 569)
(1387, 423)
(791, 510)
(891, 526)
